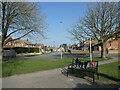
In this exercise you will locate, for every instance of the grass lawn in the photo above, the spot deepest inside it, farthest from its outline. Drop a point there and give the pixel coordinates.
(27, 66)
(110, 72)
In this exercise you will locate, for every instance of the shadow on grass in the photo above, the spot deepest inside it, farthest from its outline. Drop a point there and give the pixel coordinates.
(109, 77)
(112, 86)
(82, 74)
(83, 86)
(96, 85)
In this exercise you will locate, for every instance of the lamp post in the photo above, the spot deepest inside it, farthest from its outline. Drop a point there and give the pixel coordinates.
(61, 45)
(90, 51)
(54, 46)
(61, 52)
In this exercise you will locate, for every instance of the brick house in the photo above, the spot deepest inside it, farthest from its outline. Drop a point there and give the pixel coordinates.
(113, 45)
(17, 43)
(10, 43)
(41, 46)
(95, 46)
(22, 43)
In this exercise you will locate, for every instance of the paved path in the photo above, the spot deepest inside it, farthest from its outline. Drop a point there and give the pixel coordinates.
(48, 79)
(114, 59)
(52, 79)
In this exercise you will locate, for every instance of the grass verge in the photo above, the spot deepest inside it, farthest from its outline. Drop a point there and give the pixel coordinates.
(27, 66)
(109, 72)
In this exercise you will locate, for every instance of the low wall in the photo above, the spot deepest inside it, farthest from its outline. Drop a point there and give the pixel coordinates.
(10, 53)
(29, 54)
(79, 52)
(114, 51)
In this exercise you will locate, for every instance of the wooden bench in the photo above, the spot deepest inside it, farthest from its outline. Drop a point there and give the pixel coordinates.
(87, 68)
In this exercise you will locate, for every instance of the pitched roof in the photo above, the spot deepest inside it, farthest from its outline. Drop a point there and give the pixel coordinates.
(23, 41)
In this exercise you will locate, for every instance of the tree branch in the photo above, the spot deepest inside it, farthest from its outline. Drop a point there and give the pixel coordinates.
(23, 35)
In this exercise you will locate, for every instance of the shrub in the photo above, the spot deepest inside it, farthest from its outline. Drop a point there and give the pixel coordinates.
(51, 50)
(24, 49)
(36, 50)
(112, 49)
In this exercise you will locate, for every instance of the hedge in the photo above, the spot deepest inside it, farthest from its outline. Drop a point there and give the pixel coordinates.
(24, 49)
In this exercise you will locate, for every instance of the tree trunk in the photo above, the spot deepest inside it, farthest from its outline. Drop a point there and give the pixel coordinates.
(103, 50)
(2, 49)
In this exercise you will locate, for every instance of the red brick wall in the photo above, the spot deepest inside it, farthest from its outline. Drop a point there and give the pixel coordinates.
(114, 45)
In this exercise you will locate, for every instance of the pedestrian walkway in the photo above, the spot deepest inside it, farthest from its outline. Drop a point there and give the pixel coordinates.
(52, 79)
(114, 59)
(48, 79)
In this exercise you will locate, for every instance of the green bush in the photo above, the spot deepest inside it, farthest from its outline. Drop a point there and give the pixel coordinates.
(51, 50)
(112, 49)
(24, 49)
(36, 50)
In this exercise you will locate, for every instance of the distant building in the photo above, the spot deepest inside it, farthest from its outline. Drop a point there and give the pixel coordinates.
(10, 43)
(61, 49)
(23, 43)
(41, 46)
(111, 44)
(74, 47)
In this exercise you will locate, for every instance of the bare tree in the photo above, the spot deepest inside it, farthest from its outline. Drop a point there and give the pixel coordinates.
(78, 33)
(20, 19)
(102, 23)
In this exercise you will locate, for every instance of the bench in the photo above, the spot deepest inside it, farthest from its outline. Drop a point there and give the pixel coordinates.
(64, 71)
(87, 68)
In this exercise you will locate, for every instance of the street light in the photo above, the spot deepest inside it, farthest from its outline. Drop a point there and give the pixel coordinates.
(90, 51)
(61, 52)
(61, 44)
